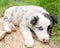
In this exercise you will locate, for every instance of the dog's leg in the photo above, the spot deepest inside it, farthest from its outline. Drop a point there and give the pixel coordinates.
(7, 20)
(29, 41)
(6, 26)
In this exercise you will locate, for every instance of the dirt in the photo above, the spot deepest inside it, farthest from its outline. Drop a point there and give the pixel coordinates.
(16, 40)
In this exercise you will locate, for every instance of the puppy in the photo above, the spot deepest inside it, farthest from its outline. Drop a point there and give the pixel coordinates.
(30, 17)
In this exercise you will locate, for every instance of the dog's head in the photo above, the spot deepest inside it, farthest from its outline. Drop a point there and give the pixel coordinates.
(42, 25)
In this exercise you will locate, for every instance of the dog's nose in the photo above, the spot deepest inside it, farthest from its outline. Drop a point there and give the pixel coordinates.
(45, 40)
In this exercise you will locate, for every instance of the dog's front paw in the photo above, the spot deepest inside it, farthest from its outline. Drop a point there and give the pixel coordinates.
(13, 28)
(7, 30)
(29, 43)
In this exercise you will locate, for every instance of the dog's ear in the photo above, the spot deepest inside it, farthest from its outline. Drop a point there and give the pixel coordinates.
(34, 20)
(54, 18)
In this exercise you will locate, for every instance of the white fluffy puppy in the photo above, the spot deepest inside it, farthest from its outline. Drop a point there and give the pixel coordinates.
(29, 18)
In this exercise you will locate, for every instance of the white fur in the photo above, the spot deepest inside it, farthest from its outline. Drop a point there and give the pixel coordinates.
(6, 27)
(21, 16)
(44, 22)
(29, 41)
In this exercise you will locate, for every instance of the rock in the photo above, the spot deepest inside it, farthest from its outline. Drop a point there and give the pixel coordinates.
(2, 34)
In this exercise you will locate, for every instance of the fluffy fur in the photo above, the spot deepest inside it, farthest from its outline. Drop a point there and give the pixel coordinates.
(28, 17)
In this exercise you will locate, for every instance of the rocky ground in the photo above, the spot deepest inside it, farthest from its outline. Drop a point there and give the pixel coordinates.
(15, 40)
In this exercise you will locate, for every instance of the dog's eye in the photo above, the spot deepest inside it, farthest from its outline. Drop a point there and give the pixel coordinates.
(40, 28)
